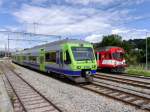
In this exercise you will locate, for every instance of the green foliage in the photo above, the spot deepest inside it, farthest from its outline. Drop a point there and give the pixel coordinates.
(138, 71)
(111, 40)
(131, 58)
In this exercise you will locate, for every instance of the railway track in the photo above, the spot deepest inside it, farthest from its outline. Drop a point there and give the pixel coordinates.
(126, 75)
(142, 102)
(139, 101)
(122, 80)
(26, 97)
(134, 75)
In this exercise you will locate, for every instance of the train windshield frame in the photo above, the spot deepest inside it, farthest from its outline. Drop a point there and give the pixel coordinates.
(118, 55)
(82, 53)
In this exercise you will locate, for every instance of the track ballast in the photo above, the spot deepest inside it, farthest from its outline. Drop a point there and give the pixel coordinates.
(27, 98)
(117, 94)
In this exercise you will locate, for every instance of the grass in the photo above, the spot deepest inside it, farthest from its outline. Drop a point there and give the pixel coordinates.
(138, 71)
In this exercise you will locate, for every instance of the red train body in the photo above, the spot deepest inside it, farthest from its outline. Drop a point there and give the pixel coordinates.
(111, 58)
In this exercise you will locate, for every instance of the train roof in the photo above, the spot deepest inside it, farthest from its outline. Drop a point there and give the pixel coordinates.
(56, 43)
(107, 48)
(62, 42)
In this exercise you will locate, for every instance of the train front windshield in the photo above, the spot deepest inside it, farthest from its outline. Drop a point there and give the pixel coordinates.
(117, 55)
(82, 53)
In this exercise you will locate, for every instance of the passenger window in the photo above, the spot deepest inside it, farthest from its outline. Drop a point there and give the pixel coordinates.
(32, 58)
(47, 57)
(68, 60)
(50, 57)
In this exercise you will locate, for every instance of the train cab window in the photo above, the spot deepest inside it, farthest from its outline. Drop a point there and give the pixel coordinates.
(68, 60)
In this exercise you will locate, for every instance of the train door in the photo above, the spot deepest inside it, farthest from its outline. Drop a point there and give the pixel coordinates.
(61, 59)
(42, 60)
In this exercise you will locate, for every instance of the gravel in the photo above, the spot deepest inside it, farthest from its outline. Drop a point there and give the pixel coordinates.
(70, 98)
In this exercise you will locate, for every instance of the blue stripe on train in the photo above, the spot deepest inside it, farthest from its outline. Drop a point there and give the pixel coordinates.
(67, 72)
(57, 70)
(33, 65)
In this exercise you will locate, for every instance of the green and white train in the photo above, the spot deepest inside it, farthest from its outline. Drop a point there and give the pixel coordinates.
(72, 58)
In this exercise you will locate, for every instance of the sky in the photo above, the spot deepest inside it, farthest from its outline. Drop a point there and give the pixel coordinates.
(80, 19)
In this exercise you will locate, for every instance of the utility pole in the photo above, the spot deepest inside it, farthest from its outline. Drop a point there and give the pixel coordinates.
(146, 53)
(5, 50)
(8, 45)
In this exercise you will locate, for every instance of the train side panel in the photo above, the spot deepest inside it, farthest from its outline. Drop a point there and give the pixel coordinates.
(61, 58)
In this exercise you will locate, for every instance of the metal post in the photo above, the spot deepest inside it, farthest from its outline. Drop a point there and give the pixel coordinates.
(8, 46)
(5, 50)
(146, 54)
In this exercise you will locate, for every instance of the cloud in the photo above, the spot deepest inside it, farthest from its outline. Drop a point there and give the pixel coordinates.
(70, 21)
(119, 30)
(86, 2)
(38, 1)
(130, 33)
(94, 38)
(105, 2)
(65, 20)
(126, 33)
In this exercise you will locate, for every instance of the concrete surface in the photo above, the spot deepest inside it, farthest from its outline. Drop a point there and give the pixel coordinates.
(5, 104)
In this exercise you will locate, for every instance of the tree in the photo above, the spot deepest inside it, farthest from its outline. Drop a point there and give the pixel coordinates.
(112, 40)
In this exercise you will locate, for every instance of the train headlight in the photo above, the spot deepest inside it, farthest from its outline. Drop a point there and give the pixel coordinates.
(115, 63)
(88, 72)
(78, 67)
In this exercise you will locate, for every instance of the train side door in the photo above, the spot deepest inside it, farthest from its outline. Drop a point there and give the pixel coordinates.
(42, 60)
(61, 59)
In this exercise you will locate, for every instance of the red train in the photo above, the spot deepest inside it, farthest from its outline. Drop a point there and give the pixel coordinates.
(111, 58)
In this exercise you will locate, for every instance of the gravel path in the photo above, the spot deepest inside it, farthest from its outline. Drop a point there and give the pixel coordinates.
(70, 98)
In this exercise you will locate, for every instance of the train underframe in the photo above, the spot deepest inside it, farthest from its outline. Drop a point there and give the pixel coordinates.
(86, 76)
(118, 69)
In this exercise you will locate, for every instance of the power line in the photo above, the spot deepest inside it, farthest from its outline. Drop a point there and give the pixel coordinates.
(30, 34)
(27, 40)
